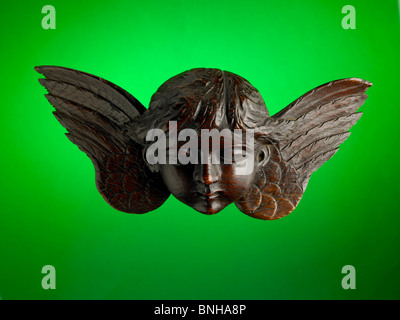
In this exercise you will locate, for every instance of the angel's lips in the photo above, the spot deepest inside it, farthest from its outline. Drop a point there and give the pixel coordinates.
(210, 203)
(208, 196)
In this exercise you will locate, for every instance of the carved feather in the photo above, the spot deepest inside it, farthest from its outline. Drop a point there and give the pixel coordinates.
(309, 167)
(316, 148)
(326, 129)
(320, 122)
(288, 130)
(87, 99)
(98, 86)
(96, 113)
(323, 94)
(301, 138)
(85, 115)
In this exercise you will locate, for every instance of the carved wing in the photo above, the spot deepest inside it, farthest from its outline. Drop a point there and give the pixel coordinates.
(305, 134)
(97, 115)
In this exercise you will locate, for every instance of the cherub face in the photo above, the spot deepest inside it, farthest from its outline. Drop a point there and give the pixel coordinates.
(209, 187)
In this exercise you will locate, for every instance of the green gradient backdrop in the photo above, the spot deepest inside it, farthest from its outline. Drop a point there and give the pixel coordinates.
(51, 212)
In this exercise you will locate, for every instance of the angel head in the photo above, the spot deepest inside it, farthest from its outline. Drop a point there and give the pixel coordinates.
(208, 125)
(260, 163)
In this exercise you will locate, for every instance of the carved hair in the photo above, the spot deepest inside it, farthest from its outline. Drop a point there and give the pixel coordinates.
(204, 98)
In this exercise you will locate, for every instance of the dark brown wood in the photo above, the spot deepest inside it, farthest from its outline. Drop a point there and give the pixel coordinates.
(110, 126)
(96, 114)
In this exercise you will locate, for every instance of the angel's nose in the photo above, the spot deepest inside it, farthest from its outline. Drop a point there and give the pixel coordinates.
(207, 173)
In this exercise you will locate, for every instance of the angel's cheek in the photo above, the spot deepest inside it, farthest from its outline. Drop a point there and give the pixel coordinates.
(236, 181)
(177, 179)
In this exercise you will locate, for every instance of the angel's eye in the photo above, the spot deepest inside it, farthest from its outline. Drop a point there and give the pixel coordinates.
(261, 156)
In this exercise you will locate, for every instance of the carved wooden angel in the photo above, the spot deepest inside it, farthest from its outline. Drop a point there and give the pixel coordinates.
(110, 126)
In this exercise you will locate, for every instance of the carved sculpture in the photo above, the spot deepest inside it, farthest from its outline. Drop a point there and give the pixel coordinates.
(110, 126)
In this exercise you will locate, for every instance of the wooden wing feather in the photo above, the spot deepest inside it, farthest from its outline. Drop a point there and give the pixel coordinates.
(97, 115)
(305, 135)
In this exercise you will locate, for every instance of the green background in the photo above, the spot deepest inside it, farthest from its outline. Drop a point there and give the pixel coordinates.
(51, 212)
